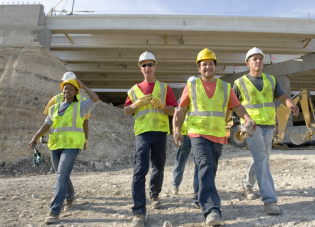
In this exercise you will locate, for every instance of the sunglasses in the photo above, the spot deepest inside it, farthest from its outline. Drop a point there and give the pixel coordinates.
(145, 65)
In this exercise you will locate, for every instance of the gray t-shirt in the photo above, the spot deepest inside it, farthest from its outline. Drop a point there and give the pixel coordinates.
(258, 82)
(85, 108)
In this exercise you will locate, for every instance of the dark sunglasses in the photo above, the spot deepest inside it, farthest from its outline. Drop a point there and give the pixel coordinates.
(145, 65)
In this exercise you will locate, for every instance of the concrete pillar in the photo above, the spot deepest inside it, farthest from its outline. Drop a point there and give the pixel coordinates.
(23, 26)
(284, 81)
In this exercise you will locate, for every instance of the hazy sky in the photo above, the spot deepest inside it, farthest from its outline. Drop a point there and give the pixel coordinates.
(274, 8)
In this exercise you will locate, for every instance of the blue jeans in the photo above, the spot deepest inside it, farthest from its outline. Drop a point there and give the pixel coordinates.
(146, 142)
(63, 161)
(207, 154)
(260, 144)
(180, 162)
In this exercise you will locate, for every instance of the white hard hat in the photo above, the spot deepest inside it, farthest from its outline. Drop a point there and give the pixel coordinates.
(253, 51)
(146, 56)
(192, 78)
(68, 75)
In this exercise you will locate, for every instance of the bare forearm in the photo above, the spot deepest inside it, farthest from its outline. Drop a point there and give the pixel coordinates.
(129, 110)
(169, 110)
(92, 94)
(241, 112)
(174, 116)
(180, 118)
(42, 131)
(86, 128)
(286, 100)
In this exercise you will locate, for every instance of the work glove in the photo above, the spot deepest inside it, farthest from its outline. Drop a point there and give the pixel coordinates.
(145, 100)
(86, 144)
(157, 104)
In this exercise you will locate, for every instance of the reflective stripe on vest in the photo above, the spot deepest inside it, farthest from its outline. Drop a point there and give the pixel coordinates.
(144, 112)
(248, 99)
(58, 98)
(74, 121)
(206, 116)
(147, 118)
(207, 113)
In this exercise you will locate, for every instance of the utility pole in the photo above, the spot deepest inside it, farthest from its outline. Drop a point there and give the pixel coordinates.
(72, 8)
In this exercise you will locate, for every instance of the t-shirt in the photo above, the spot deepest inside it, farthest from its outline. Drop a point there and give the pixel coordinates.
(147, 88)
(258, 82)
(85, 108)
(210, 89)
(52, 102)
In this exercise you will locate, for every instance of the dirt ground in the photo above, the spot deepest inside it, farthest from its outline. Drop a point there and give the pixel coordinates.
(103, 198)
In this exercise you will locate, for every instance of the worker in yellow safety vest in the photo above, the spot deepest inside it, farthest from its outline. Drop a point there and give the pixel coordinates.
(66, 139)
(206, 101)
(257, 91)
(151, 102)
(59, 98)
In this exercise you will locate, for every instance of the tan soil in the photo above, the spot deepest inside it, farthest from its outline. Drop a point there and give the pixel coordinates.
(104, 198)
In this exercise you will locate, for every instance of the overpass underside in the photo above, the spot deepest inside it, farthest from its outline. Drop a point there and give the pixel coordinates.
(103, 50)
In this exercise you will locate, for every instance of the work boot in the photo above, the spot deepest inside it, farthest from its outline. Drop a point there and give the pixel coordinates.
(138, 220)
(213, 218)
(68, 205)
(249, 194)
(52, 218)
(155, 203)
(272, 208)
(175, 190)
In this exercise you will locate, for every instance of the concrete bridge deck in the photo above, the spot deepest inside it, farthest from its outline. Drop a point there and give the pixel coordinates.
(103, 50)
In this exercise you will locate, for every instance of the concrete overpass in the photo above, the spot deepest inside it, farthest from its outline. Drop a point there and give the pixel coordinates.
(103, 49)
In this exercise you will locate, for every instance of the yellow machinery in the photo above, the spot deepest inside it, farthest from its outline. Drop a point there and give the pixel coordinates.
(233, 127)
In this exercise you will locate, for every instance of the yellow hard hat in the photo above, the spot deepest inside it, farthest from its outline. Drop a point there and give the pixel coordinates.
(71, 81)
(206, 54)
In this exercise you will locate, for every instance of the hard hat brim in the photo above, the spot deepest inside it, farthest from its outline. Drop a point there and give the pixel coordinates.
(70, 81)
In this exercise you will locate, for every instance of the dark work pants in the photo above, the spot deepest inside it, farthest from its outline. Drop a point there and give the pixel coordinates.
(207, 154)
(146, 142)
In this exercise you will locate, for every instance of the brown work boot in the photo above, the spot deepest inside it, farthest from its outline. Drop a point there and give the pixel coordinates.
(175, 190)
(155, 203)
(138, 220)
(52, 218)
(272, 208)
(68, 205)
(249, 194)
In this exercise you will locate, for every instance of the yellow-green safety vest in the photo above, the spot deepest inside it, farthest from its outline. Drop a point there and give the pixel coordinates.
(59, 98)
(207, 116)
(67, 130)
(147, 118)
(259, 104)
(183, 130)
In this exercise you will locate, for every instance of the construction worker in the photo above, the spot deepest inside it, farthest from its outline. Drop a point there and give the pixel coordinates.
(66, 139)
(150, 102)
(256, 91)
(205, 101)
(181, 159)
(59, 98)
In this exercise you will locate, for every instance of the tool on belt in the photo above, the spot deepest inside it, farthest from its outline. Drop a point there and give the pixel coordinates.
(38, 158)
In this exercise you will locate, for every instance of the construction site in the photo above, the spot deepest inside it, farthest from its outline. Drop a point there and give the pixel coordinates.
(36, 49)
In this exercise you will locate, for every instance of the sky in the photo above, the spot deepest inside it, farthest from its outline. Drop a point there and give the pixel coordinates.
(268, 8)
